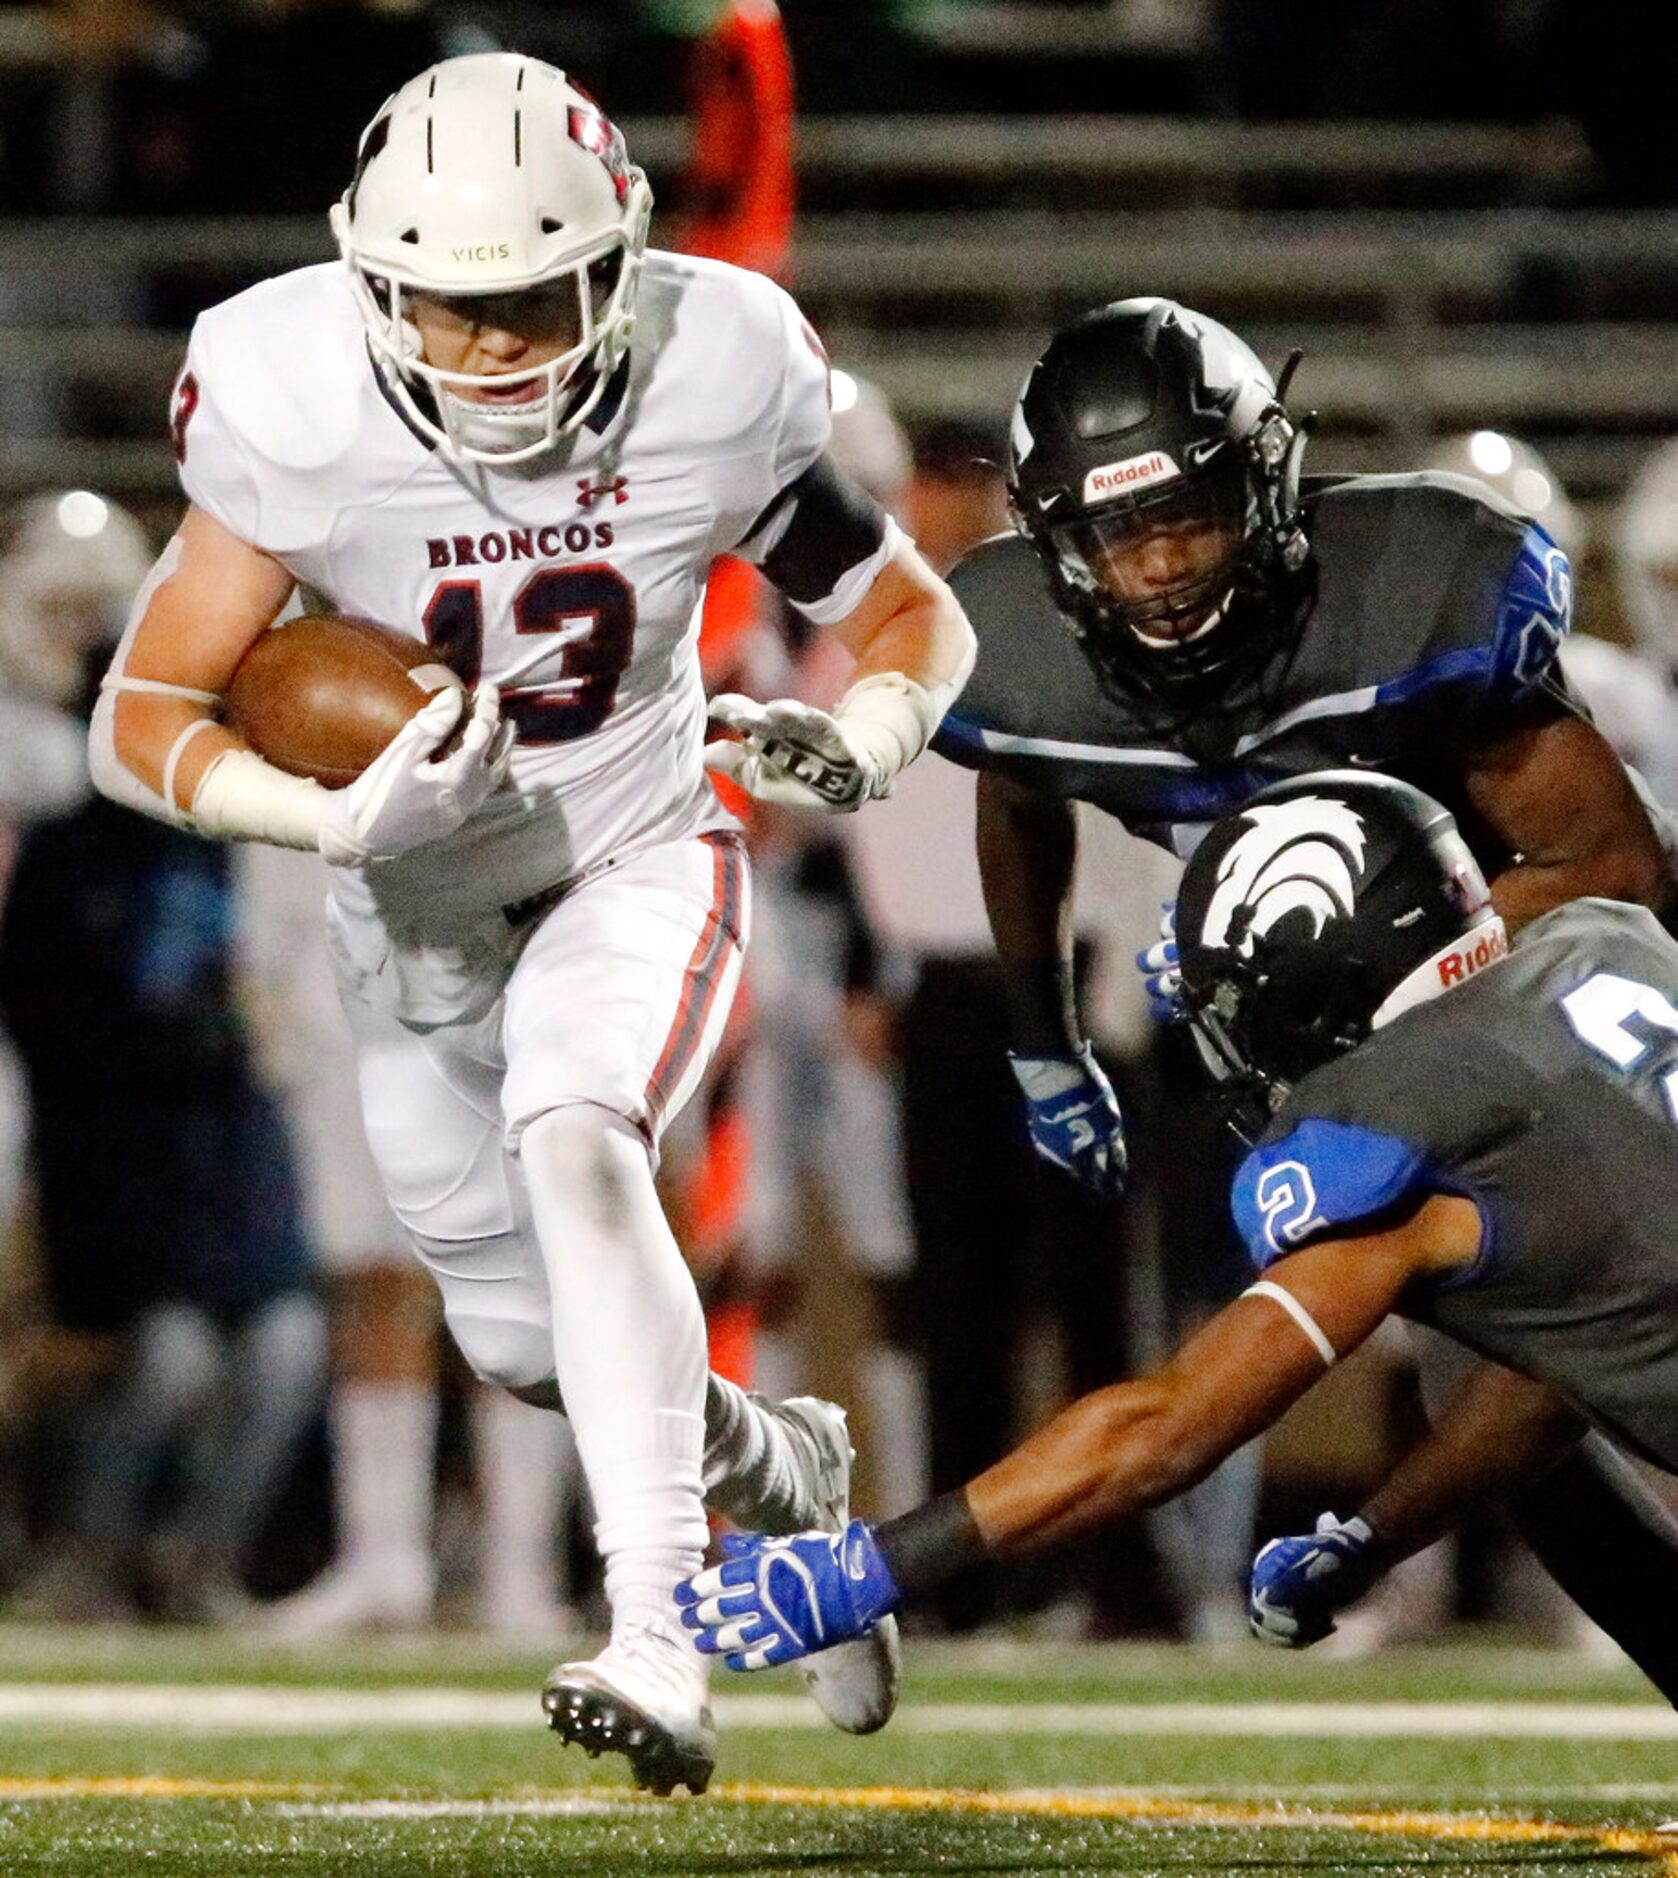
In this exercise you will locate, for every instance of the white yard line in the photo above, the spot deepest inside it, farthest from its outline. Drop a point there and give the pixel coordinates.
(221, 1709)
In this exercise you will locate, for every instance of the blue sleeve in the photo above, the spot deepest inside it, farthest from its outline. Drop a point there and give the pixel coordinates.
(1534, 612)
(961, 740)
(1320, 1179)
(1530, 613)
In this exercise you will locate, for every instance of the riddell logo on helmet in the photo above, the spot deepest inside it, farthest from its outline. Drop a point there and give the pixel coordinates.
(1477, 950)
(1112, 479)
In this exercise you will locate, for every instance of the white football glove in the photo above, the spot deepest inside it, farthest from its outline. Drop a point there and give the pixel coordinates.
(795, 755)
(406, 796)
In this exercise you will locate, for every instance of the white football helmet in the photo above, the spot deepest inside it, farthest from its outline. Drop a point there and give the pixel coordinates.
(494, 174)
(70, 567)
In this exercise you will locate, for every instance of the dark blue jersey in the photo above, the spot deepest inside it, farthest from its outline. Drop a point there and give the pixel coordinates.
(1545, 1089)
(1432, 619)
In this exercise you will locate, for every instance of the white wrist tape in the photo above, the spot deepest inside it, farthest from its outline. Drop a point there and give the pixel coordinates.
(242, 797)
(172, 762)
(891, 718)
(1268, 1288)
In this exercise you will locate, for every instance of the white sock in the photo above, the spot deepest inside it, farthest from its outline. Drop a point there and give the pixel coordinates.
(384, 1437)
(527, 1464)
(629, 1350)
(752, 1471)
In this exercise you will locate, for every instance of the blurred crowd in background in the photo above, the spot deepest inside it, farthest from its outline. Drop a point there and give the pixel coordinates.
(224, 1397)
(157, 106)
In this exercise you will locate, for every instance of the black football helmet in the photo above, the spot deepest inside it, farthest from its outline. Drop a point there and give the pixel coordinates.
(1327, 904)
(1144, 421)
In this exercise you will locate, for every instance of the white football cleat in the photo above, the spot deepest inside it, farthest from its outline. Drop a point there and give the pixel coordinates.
(644, 1697)
(855, 1685)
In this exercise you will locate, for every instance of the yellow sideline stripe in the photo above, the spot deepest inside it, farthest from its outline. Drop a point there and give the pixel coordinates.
(1067, 1805)
(1029, 1803)
(144, 1787)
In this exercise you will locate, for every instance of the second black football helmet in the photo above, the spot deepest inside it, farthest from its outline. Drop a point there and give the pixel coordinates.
(1142, 422)
(1327, 905)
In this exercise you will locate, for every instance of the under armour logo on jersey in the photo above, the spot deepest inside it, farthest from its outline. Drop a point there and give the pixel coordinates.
(1295, 857)
(589, 493)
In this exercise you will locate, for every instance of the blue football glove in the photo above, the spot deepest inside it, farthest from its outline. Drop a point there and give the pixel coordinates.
(1162, 972)
(775, 1600)
(1299, 1584)
(1074, 1118)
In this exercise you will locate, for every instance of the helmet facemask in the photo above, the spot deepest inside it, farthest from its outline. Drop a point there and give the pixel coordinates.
(1142, 424)
(497, 190)
(1154, 573)
(597, 299)
(1184, 634)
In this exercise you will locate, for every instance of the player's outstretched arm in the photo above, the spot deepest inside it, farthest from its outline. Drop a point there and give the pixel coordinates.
(1115, 1452)
(913, 649)
(1557, 796)
(1127, 1448)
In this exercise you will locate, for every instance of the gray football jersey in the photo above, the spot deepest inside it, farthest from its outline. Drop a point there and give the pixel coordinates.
(1545, 1089)
(1437, 613)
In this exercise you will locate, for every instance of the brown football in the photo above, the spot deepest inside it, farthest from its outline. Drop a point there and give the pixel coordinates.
(322, 696)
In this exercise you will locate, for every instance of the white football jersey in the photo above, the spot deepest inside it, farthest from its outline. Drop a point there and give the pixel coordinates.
(573, 583)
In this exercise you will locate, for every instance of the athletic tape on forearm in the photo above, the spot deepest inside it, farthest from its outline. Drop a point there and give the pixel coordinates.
(242, 797)
(1297, 1311)
(892, 717)
(172, 762)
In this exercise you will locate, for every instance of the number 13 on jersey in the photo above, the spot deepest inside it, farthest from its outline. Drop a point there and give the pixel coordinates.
(585, 615)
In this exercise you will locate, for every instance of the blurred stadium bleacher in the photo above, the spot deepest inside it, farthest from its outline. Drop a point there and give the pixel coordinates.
(936, 252)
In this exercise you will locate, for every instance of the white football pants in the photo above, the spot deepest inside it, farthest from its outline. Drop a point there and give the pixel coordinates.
(518, 1153)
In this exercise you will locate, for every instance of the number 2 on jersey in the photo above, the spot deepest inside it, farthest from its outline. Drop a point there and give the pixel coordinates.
(590, 609)
(1599, 1009)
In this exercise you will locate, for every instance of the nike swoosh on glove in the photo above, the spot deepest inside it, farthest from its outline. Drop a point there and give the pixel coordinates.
(1162, 971)
(794, 755)
(1299, 1584)
(1074, 1118)
(408, 796)
(774, 1600)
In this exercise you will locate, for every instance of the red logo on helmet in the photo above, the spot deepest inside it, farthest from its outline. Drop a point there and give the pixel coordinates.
(1478, 949)
(184, 404)
(594, 132)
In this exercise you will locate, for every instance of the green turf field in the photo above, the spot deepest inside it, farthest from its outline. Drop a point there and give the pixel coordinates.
(168, 1753)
